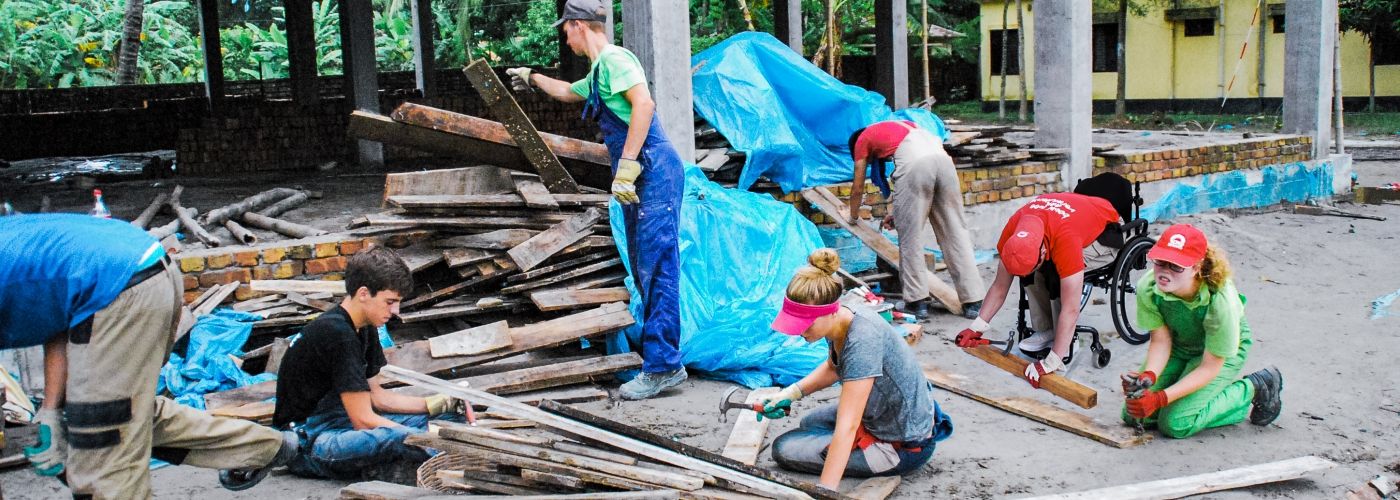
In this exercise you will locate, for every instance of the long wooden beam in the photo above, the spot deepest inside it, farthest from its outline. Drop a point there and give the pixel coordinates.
(488, 130)
(502, 104)
(1180, 487)
(1059, 385)
(1075, 423)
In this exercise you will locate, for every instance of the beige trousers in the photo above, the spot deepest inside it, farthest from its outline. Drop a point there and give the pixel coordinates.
(1042, 310)
(115, 420)
(925, 193)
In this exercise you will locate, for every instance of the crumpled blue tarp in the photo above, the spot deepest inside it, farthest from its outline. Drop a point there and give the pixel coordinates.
(1296, 182)
(738, 251)
(790, 118)
(206, 366)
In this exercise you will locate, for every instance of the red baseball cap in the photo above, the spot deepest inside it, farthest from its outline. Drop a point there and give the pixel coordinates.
(1181, 244)
(796, 318)
(1020, 253)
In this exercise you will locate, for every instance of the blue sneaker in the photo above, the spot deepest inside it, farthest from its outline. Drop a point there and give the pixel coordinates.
(647, 385)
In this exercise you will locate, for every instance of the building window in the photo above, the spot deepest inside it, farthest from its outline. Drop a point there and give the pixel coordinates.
(1012, 64)
(1106, 48)
(1200, 27)
(1278, 23)
(1385, 49)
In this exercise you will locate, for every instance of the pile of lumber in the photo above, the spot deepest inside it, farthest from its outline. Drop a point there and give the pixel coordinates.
(984, 145)
(713, 153)
(257, 211)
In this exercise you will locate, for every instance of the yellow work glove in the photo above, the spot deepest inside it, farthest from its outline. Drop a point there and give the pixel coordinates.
(624, 186)
(439, 404)
(520, 79)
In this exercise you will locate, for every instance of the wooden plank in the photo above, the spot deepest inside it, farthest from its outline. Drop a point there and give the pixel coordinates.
(455, 311)
(444, 292)
(503, 106)
(1117, 436)
(534, 193)
(490, 455)
(589, 451)
(481, 128)
(558, 480)
(456, 479)
(479, 180)
(410, 222)
(214, 299)
(500, 239)
(875, 488)
(274, 355)
(13, 461)
(541, 271)
(603, 320)
(535, 250)
(576, 394)
(652, 476)
(582, 271)
(1054, 383)
(415, 203)
(316, 304)
(573, 372)
(255, 304)
(573, 426)
(830, 205)
(746, 439)
(301, 286)
(555, 300)
(1166, 489)
(458, 257)
(380, 490)
(471, 341)
(468, 433)
(419, 256)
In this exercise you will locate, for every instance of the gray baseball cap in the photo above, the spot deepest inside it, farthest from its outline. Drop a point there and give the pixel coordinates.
(586, 10)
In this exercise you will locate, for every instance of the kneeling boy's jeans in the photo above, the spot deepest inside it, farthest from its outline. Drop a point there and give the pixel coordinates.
(332, 448)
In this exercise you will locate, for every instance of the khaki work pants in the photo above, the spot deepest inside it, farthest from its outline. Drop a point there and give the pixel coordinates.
(926, 193)
(1044, 311)
(116, 422)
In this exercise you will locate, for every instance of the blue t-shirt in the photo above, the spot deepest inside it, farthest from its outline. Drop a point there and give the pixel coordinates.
(57, 270)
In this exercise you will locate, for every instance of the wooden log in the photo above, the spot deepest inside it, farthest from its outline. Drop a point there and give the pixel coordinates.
(555, 300)
(170, 229)
(285, 228)
(875, 488)
(746, 439)
(535, 250)
(217, 216)
(188, 223)
(300, 286)
(1117, 436)
(420, 202)
(481, 128)
(380, 490)
(285, 205)
(471, 341)
(243, 236)
(1054, 383)
(1180, 487)
(503, 106)
(144, 219)
(830, 205)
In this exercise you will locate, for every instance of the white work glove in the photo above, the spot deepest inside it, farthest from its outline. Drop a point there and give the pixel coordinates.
(624, 186)
(1038, 369)
(439, 404)
(520, 79)
(47, 455)
(972, 335)
(779, 404)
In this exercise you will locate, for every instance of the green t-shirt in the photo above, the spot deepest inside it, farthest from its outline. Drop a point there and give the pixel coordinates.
(618, 71)
(1212, 321)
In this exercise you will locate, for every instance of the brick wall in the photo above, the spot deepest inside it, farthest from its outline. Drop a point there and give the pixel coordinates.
(317, 258)
(1156, 165)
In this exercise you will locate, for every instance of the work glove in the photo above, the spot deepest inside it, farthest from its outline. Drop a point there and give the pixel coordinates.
(779, 405)
(972, 335)
(1038, 369)
(439, 404)
(1148, 404)
(520, 79)
(624, 186)
(1136, 382)
(47, 456)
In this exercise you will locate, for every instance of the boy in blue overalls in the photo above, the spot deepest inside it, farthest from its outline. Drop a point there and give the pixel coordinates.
(648, 181)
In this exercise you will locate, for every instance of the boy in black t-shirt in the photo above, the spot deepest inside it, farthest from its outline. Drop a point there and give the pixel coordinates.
(329, 389)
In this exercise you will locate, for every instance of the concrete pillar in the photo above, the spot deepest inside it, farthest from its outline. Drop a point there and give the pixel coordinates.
(361, 72)
(301, 52)
(213, 56)
(892, 52)
(1063, 85)
(649, 30)
(424, 65)
(787, 23)
(1308, 52)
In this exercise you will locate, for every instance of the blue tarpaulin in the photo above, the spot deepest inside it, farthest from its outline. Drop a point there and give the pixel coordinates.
(737, 252)
(206, 366)
(1295, 182)
(789, 117)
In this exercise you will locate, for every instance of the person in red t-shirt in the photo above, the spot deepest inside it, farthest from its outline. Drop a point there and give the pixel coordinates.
(1059, 228)
(923, 191)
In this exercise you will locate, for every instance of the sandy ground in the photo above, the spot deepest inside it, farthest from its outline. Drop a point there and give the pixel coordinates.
(1310, 281)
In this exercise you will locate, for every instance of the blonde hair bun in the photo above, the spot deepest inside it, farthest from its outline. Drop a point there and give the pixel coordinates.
(825, 259)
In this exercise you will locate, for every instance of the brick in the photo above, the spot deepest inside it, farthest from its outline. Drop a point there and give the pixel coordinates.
(192, 264)
(246, 259)
(263, 272)
(326, 265)
(981, 174)
(352, 247)
(219, 261)
(243, 292)
(330, 249)
(301, 252)
(191, 281)
(333, 277)
(191, 295)
(1027, 191)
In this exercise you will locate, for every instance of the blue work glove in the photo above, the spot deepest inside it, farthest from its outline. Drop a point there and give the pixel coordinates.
(624, 186)
(47, 456)
(779, 404)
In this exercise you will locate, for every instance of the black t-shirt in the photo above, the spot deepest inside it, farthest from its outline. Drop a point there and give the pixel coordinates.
(329, 359)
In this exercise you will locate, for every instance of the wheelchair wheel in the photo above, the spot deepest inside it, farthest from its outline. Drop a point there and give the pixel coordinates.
(1102, 357)
(1131, 265)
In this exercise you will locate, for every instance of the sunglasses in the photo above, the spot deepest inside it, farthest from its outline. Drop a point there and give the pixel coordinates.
(1162, 264)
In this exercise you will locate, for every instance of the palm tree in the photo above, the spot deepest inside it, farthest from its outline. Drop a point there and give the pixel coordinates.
(127, 58)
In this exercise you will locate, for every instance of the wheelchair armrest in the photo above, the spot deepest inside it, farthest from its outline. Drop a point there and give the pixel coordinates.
(1135, 225)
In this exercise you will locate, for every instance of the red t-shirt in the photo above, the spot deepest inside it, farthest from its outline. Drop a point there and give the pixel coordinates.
(1072, 223)
(881, 139)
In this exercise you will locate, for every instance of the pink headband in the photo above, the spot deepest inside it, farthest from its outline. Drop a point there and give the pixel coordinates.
(795, 318)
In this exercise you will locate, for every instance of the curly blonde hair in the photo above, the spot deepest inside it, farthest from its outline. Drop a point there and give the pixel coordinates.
(1215, 269)
(816, 284)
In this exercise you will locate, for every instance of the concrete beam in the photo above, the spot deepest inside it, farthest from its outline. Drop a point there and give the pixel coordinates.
(1308, 57)
(301, 52)
(892, 52)
(1063, 83)
(213, 56)
(424, 64)
(787, 23)
(649, 30)
(361, 72)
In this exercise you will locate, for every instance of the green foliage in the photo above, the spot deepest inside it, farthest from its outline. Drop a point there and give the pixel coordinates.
(535, 42)
(1370, 17)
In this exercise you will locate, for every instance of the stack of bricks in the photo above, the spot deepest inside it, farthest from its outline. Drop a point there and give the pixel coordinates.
(1156, 165)
(317, 258)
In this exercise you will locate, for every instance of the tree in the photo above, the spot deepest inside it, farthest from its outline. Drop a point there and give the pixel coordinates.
(1021, 58)
(1372, 19)
(127, 71)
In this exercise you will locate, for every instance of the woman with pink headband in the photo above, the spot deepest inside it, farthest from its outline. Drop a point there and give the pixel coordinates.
(886, 422)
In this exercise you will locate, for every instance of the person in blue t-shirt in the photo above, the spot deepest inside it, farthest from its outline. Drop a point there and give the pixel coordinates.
(107, 304)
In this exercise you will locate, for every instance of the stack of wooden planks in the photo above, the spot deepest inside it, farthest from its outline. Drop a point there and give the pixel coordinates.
(713, 153)
(984, 145)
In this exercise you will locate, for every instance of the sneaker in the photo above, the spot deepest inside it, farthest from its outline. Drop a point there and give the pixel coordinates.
(398, 471)
(242, 479)
(1037, 342)
(972, 309)
(918, 308)
(1268, 395)
(647, 384)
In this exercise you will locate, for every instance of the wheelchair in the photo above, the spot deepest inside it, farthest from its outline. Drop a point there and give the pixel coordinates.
(1118, 279)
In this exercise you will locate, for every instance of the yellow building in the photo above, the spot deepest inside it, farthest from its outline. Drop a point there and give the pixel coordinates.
(1188, 58)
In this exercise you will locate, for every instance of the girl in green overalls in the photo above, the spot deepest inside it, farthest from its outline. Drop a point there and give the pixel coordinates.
(1200, 339)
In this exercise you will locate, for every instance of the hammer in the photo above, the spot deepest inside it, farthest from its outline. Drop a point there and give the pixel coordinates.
(727, 403)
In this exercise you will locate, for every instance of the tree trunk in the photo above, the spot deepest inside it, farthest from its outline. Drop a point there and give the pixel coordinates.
(923, 22)
(1371, 100)
(127, 71)
(1005, 56)
(1021, 59)
(748, 16)
(1120, 99)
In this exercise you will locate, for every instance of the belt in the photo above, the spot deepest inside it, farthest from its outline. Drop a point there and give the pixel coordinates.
(147, 273)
